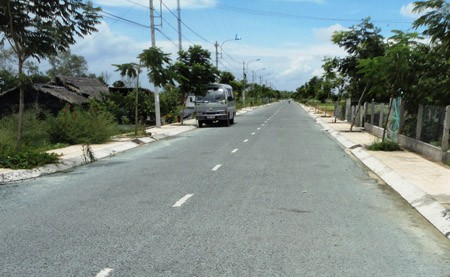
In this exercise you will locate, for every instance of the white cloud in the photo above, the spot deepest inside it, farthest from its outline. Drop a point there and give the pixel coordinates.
(324, 34)
(289, 66)
(145, 3)
(407, 11)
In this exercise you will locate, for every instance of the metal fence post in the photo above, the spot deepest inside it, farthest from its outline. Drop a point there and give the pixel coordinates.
(445, 136)
(419, 122)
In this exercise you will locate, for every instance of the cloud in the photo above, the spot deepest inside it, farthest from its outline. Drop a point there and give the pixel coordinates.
(324, 34)
(289, 66)
(171, 4)
(407, 11)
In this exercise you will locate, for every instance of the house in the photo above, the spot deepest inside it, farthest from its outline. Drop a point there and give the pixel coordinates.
(55, 95)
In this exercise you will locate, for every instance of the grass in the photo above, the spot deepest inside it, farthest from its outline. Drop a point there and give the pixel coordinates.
(43, 132)
(385, 146)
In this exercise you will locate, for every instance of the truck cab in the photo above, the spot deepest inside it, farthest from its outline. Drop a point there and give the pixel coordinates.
(217, 105)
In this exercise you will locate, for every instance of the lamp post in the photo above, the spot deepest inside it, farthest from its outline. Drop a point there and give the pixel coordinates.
(221, 51)
(244, 67)
(254, 74)
(260, 78)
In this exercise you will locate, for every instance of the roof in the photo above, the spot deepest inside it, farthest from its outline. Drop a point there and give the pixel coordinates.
(73, 90)
(86, 87)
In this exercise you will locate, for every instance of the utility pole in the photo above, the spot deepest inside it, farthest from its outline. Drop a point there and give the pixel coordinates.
(156, 92)
(217, 54)
(180, 46)
(244, 77)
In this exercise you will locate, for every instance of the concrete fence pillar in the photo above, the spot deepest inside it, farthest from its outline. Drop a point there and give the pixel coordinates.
(372, 112)
(380, 121)
(419, 122)
(446, 134)
(348, 110)
(364, 113)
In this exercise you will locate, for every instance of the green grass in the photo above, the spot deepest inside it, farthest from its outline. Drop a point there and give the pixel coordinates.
(385, 146)
(43, 132)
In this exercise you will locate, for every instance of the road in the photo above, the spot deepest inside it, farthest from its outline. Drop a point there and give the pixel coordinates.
(272, 195)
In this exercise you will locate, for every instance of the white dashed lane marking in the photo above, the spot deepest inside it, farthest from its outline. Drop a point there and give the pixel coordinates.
(104, 273)
(235, 150)
(216, 167)
(183, 200)
(245, 141)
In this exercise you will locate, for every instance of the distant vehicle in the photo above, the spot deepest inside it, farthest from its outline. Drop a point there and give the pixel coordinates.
(218, 104)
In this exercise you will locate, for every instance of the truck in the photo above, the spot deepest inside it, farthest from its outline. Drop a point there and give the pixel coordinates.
(218, 104)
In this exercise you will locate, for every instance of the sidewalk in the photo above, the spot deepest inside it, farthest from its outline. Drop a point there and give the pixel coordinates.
(423, 183)
(73, 156)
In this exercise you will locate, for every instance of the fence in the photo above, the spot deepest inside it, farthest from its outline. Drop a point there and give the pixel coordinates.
(426, 131)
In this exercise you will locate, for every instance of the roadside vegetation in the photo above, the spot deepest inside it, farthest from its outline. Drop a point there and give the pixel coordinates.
(412, 65)
(386, 145)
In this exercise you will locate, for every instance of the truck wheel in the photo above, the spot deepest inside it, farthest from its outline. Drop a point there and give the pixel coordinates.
(200, 124)
(227, 121)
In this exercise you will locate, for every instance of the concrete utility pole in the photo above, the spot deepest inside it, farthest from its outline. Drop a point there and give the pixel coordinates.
(152, 32)
(180, 46)
(217, 54)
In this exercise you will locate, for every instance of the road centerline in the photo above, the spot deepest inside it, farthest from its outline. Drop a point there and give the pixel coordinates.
(183, 200)
(104, 272)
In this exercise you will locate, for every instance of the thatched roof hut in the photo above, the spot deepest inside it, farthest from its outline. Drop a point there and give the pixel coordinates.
(55, 95)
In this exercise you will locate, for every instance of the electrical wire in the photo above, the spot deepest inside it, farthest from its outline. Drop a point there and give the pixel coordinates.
(278, 14)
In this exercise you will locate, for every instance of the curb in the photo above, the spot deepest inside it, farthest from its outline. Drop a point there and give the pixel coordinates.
(66, 164)
(426, 205)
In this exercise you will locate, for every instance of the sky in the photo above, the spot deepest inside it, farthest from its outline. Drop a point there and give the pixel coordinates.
(282, 42)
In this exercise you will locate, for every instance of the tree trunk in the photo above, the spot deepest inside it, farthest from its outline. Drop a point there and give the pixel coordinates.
(387, 120)
(21, 106)
(359, 107)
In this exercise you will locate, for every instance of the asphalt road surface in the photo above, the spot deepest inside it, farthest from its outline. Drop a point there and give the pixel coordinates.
(272, 195)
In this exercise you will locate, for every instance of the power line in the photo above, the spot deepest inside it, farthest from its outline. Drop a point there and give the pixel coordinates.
(278, 14)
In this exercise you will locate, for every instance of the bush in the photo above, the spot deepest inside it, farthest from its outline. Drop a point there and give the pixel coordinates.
(35, 129)
(27, 158)
(78, 126)
(385, 146)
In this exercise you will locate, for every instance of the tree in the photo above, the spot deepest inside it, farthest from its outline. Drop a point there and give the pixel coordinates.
(67, 64)
(39, 29)
(436, 17)
(132, 70)
(194, 71)
(158, 64)
(362, 41)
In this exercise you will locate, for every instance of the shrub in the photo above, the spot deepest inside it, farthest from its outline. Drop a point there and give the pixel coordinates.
(36, 126)
(78, 126)
(27, 158)
(385, 146)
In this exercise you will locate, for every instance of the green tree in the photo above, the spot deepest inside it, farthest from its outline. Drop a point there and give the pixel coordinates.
(362, 41)
(436, 19)
(39, 29)
(132, 70)
(194, 71)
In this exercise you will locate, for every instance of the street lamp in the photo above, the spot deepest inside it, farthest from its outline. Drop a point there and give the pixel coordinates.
(221, 52)
(245, 66)
(260, 78)
(254, 74)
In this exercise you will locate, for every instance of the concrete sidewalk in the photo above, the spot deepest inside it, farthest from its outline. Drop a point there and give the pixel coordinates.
(423, 183)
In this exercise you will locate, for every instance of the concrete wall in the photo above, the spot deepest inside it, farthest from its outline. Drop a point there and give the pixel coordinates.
(431, 152)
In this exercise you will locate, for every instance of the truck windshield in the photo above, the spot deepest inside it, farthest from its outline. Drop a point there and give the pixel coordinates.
(213, 96)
